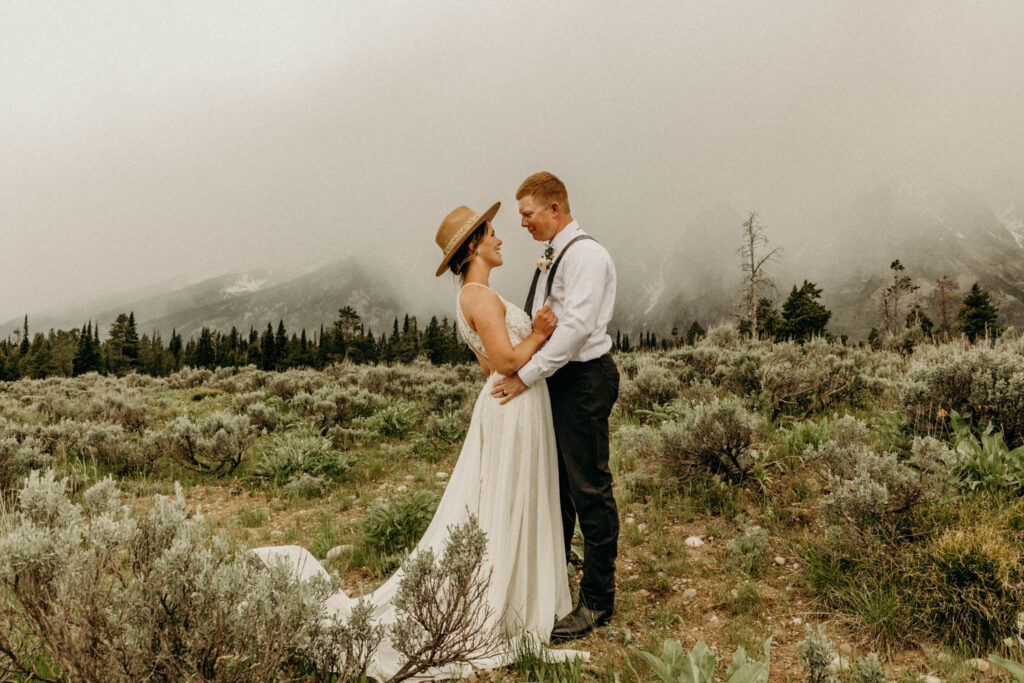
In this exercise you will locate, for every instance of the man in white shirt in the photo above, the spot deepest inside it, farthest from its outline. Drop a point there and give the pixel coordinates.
(577, 280)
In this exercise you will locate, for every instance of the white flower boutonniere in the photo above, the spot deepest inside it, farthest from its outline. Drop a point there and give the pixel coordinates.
(544, 262)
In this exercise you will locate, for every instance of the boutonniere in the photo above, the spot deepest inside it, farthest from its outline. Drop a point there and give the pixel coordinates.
(544, 262)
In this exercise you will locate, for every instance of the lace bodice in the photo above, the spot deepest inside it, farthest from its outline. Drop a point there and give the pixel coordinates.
(517, 323)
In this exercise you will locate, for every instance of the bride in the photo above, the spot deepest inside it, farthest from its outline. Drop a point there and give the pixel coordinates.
(506, 475)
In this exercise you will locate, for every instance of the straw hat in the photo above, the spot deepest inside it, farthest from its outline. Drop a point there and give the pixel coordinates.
(456, 227)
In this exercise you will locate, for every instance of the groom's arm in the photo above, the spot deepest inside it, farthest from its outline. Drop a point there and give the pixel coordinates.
(584, 272)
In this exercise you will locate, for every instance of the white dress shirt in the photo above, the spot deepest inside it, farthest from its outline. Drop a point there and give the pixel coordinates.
(582, 296)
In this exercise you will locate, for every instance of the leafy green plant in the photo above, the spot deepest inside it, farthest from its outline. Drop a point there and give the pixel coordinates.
(286, 456)
(816, 654)
(749, 551)
(393, 420)
(986, 462)
(396, 525)
(676, 666)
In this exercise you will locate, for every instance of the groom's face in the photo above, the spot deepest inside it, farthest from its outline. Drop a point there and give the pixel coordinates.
(539, 218)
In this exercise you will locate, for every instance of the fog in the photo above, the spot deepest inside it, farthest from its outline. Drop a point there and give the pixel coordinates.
(147, 143)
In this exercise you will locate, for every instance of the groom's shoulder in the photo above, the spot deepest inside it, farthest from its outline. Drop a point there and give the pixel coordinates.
(592, 246)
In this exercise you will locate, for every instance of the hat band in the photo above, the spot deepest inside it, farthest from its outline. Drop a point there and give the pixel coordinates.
(460, 233)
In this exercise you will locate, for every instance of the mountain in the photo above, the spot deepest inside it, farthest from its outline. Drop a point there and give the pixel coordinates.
(934, 229)
(244, 300)
(695, 278)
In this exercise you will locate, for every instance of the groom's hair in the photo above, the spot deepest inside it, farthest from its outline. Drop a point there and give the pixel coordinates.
(545, 187)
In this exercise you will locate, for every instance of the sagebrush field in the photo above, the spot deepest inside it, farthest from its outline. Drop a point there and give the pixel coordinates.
(766, 490)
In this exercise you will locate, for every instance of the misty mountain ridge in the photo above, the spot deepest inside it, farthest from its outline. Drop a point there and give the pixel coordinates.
(934, 229)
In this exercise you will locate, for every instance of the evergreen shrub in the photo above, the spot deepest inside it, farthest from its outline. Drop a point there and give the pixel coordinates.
(984, 383)
(711, 438)
(652, 385)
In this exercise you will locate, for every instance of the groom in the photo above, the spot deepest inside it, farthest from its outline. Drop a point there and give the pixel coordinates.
(577, 280)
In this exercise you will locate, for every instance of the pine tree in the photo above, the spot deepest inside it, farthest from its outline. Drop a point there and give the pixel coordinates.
(267, 348)
(23, 347)
(802, 316)
(205, 357)
(902, 287)
(694, 333)
(175, 350)
(978, 316)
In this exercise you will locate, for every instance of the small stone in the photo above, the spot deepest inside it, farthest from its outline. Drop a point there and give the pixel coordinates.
(713, 619)
(839, 664)
(630, 519)
(410, 477)
(643, 593)
(641, 527)
(401, 489)
(693, 542)
(689, 594)
(845, 649)
(981, 665)
(780, 560)
(441, 475)
(795, 566)
(932, 679)
(735, 594)
(797, 621)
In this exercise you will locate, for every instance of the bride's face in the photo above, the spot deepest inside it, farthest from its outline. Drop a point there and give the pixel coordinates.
(490, 248)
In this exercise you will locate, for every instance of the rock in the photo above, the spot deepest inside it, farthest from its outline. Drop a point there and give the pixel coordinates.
(845, 649)
(713, 619)
(339, 550)
(980, 665)
(932, 679)
(630, 519)
(401, 489)
(839, 664)
(693, 542)
(797, 621)
(689, 594)
(441, 475)
(641, 527)
(735, 594)
(410, 477)
(780, 560)
(643, 593)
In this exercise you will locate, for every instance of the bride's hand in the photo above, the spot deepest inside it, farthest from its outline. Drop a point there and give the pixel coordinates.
(545, 321)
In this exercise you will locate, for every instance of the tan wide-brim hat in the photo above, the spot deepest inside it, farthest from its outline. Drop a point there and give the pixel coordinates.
(456, 227)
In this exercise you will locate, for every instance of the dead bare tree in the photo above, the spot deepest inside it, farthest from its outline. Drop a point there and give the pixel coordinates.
(946, 296)
(754, 244)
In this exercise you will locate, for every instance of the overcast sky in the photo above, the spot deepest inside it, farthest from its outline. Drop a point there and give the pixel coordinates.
(142, 142)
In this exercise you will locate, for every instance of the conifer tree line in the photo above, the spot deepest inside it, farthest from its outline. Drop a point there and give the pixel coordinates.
(124, 350)
(903, 315)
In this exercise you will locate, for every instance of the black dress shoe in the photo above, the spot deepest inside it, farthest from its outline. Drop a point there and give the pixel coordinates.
(579, 622)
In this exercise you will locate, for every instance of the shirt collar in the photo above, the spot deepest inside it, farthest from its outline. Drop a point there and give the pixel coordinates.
(565, 236)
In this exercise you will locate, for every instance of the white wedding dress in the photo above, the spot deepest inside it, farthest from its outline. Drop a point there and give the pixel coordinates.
(506, 476)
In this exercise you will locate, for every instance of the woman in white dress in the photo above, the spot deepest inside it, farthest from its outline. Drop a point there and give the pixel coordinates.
(506, 475)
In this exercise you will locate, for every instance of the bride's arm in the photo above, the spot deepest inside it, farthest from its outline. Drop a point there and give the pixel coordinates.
(486, 313)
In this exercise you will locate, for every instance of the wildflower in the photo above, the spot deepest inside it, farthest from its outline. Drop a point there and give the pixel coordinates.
(943, 413)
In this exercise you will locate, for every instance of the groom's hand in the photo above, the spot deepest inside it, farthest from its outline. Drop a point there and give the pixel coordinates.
(507, 388)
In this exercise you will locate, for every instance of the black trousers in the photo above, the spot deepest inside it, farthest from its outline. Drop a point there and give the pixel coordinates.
(582, 395)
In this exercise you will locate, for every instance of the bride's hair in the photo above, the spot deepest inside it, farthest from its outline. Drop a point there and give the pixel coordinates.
(464, 254)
